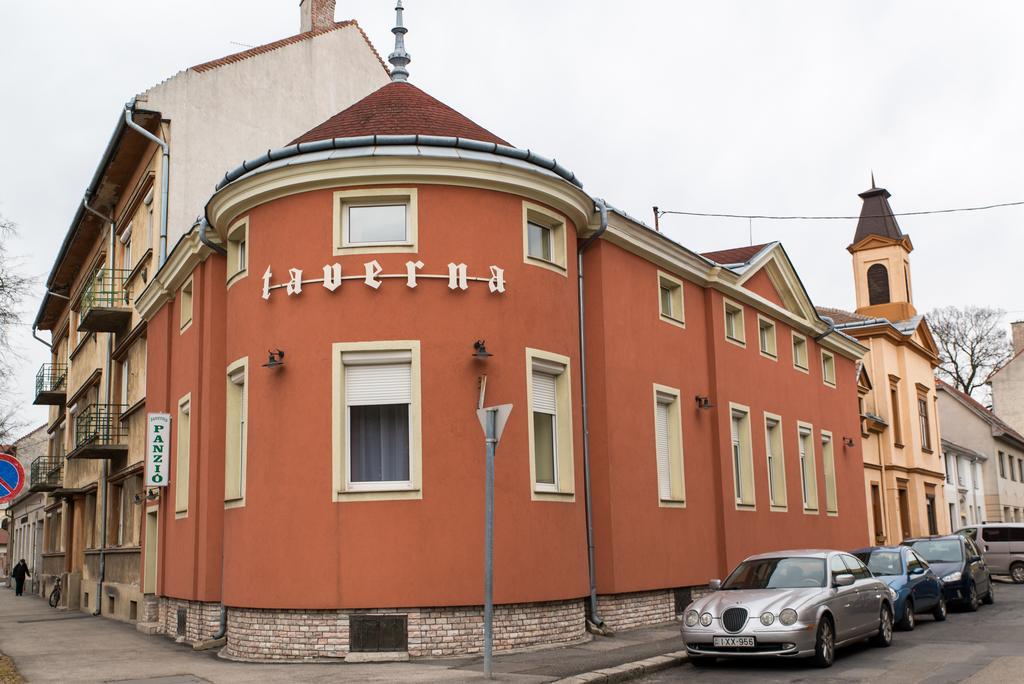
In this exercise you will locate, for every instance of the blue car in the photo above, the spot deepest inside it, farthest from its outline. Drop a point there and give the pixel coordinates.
(918, 589)
(957, 561)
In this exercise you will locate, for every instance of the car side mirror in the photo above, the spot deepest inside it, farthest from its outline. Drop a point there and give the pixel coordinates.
(916, 571)
(715, 584)
(844, 580)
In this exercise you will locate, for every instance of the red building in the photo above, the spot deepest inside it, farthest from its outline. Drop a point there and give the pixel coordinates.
(333, 497)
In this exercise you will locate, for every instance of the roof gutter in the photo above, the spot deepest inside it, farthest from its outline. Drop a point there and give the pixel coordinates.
(203, 225)
(165, 163)
(595, 616)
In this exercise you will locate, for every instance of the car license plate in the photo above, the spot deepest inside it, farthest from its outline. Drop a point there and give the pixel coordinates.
(734, 642)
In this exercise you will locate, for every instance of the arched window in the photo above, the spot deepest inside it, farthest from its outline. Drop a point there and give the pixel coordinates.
(878, 285)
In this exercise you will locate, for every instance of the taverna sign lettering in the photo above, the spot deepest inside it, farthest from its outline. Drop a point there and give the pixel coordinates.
(158, 431)
(373, 276)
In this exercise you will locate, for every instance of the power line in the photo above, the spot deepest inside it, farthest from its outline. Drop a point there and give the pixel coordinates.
(766, 217)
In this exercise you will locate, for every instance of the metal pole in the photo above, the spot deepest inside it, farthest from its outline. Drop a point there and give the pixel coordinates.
(489, 542)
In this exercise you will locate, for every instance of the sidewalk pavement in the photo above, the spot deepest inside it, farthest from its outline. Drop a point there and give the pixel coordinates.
(48, 645)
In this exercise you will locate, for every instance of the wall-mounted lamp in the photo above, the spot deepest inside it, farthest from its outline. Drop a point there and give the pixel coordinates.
(848, 441)
(703, 402)
(151, 495)
(480, 352)
(275, 359)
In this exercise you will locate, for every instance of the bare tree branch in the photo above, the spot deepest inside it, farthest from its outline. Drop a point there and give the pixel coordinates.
(972, 344)
(14, 287)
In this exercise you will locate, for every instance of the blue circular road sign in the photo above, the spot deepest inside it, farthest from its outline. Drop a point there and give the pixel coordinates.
(12, 477)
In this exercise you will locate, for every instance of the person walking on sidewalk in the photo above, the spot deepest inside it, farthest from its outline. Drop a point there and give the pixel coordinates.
(19, 574)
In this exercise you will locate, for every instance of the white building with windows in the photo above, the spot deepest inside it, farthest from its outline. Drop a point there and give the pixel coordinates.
(965, 491)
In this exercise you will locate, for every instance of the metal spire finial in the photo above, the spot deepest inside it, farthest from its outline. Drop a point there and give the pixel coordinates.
(873, 186)
(399, 58)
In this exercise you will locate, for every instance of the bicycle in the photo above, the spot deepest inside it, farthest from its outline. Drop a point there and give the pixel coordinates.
(55, 594)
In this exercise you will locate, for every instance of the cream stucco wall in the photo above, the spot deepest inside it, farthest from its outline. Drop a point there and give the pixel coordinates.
(896, 261)
(1008, 393)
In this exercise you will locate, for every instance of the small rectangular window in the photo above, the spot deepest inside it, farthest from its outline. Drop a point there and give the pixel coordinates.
(182, 456)
(808, 470)
(378, 397)
(543, 238)
(670, 299)
(894, 406)
(186, 305)
(742, 457)
(734, 331)
(829, 466)
(539, 243)
(800, 352)
(372, 221)
(545, 444)
(377, 224)
(125, 375)
(924, 424)
(668, 445)
(1002, 465)
(235, 431)
(776, 461)
(828, 368)
(766, 337)
(550, 424)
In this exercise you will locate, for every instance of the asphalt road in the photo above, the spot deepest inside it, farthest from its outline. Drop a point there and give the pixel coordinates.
(986, 646)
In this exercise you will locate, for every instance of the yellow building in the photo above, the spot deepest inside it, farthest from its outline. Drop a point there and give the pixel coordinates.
(904, 471)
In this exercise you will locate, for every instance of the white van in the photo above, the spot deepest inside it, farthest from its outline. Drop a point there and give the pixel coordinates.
(1002, 545)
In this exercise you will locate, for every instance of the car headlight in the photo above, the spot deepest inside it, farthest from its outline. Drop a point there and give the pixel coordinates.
(691, 618)
(787, 617)
(767, 619)
(953, 577)
(893, 594)
(705, 619)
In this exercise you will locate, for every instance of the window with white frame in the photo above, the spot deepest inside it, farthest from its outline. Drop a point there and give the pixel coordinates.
(550, 424)
(742, 456)
(126, 248)
(766, 337)
(829, 466)
(543, 237)
(808, 471)
(125, 375)
(776, 461)
(235, 431)
(539, 244)
(668, 440)
(800, 352)
(238, 250)
(670, 299)
(185, 312)
(378, 397)
(182, 456)
(734, 323)
(828, 368)
(375, 220)
(545, 423)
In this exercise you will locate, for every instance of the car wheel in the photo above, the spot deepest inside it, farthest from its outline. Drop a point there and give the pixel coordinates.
(972, 598)
(702, 661)
(825, 644)
(909, 621)
(884, 636)
(940, 610)
(990, 597)
(1017, 572)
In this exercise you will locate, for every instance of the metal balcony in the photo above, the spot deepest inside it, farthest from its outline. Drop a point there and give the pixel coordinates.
(51, 384)
(106, 302)
(99, 432)
(45, 474)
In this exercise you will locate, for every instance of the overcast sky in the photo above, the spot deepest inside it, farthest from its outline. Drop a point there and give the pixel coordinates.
(734, 107)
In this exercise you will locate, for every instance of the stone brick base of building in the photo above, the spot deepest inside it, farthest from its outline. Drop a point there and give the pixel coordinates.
(629, 611)
(201, 620)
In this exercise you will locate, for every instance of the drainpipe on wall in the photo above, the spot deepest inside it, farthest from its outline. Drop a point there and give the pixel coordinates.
(108, 390)
(203, 225)
(164, 179)
(595, 617)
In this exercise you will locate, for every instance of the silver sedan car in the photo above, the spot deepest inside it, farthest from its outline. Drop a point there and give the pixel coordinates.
(789, 604)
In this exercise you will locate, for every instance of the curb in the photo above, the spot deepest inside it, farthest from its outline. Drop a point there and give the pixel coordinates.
(629, 671)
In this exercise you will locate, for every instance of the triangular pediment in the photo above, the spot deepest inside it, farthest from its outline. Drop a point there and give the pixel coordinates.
(923, 337)
(876, 241)
(772, 277)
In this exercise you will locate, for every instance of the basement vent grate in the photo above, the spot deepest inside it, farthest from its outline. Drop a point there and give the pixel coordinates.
(378, 633)
(182, 620)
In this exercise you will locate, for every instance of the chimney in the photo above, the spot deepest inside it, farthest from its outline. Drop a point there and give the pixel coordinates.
(316, 15)
(1017, 335)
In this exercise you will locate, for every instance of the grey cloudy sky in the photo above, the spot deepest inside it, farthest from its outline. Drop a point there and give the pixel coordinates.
(741, 107)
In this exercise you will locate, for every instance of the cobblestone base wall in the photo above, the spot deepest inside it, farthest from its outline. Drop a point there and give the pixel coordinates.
(201, 623)
(261, 634)
(629, 611)
(150, 609)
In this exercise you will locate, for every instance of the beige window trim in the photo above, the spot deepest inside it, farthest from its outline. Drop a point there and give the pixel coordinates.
(565, 479)
(768, 342)
(676, 472)
(743, 476)
(828, 368)
(739, 336)
(185, 304)
(775, 462)
(340, 489)
(238, 234)
(676, 300)
(808, 467)
(236, 434)
(368, 197)
(828, 462)
(542, 216)
(182, 456)
(800, 349)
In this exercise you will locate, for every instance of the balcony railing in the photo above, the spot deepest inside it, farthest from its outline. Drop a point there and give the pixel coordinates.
(99, 432)
(45, 474)
(106, 301)
(51, 384)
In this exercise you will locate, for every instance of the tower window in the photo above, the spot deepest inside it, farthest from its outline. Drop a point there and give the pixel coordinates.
(878, 285)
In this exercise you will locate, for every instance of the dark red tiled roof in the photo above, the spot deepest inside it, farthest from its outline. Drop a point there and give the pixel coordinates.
(298, 38)
(399, 109)
(979, 408)
(736, 255)
(841, 316)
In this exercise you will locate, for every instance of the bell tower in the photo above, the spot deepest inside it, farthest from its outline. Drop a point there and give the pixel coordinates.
(881, 260)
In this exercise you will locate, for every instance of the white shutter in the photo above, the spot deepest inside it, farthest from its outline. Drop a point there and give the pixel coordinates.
(382, 384)
(544, 393)
(661, 414)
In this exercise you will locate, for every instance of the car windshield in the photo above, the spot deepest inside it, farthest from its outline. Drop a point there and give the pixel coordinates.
(777, 573)
(882, 562)
(939, 551)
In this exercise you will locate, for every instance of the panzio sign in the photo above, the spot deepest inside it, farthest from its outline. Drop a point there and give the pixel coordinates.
(159, 434)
